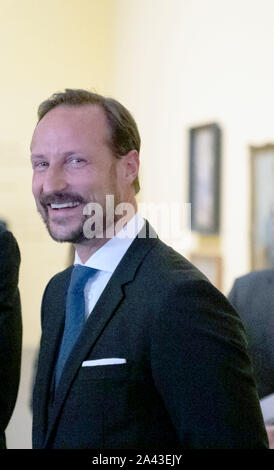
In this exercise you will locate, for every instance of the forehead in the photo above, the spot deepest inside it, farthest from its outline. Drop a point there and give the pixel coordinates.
(67, 123)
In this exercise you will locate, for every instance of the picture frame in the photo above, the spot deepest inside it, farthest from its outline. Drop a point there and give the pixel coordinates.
(210, 266)
(262, 207)
(204, 178)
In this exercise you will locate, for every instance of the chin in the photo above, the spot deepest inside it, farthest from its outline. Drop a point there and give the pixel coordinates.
(66, 236)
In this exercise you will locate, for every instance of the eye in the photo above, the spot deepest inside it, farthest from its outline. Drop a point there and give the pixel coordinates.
(76, 162)
(40, 165)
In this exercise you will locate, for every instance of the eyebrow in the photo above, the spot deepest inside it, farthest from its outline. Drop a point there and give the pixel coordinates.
(38, 156)
(35, 157)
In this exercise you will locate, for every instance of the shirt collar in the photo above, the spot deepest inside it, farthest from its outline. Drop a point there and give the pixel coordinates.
(110, 254)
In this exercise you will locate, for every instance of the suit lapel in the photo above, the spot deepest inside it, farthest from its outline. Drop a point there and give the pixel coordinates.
(54, 312)
(104, 310)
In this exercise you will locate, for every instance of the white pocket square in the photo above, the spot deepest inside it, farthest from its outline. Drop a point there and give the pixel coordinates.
(104, 362)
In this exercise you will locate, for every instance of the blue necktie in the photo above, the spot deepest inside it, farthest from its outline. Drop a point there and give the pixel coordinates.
(75, 315)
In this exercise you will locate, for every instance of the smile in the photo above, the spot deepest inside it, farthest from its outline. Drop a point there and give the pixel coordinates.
(64, 205)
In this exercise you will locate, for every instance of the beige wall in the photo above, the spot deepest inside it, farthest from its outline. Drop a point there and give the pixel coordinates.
(181, 63)
(175, 64)
(44, 47)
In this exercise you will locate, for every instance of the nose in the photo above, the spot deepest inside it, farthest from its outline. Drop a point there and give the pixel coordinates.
(54, 180)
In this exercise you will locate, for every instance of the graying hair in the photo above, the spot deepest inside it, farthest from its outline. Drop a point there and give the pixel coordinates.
(124, 132)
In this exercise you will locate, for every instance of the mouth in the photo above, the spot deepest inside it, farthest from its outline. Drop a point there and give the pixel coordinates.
(64, 205)
(64, 208)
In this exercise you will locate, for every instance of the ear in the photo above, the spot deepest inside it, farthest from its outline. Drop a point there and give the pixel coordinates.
(130, 166)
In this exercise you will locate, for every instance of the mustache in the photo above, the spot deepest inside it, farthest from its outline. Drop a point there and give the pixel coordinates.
(60, 198)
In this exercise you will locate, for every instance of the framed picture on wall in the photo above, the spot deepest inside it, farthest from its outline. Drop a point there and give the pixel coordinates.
(204, 178)
(262, 207)
(210, 266)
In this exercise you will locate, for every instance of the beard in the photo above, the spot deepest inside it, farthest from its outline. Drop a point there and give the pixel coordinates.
(59, 229)
(74, 236)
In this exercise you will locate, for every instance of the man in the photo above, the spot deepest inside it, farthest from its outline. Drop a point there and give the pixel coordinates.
(252, 296)
(10, 328)
(160, 359)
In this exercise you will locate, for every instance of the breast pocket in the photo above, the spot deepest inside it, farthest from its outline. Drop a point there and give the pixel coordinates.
(106, 371)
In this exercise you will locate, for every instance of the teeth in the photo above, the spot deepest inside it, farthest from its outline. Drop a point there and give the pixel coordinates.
(64, 205)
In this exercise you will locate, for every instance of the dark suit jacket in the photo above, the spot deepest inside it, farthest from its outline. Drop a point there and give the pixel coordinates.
(253, 297)
(10, 329)
(187, 381)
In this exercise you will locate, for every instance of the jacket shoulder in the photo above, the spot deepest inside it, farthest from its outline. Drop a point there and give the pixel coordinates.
(253, 280)
(55, 290)
(58, 282)
(258, 275)
(61, 276)
(168, 264)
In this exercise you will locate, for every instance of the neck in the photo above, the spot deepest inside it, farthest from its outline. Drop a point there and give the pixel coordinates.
(88, 247)
(85, 251)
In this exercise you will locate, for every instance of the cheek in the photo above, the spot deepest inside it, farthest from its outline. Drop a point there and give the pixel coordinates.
(92, 183)
(36, 187)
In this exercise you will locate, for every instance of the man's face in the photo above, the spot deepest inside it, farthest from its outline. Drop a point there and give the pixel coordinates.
(72, 166)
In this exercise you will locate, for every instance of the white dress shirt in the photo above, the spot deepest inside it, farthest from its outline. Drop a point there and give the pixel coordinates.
(106, 259)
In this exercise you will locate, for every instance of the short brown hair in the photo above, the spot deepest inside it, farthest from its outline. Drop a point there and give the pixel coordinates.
(124, 132)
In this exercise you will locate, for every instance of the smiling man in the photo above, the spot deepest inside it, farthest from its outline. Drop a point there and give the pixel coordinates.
(138, 349)
(73, 165)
